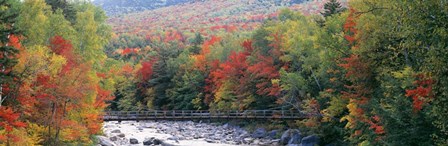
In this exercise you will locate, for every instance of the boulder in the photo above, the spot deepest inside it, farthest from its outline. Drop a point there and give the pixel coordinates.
(104, 141)
(148, 141)
(115, 131)
(296, 137)
(285, 138)
(272, 134)
(133, 141)
(209, 141)
(311, 140)
(157, 141)
(259, 133)
(287, 135)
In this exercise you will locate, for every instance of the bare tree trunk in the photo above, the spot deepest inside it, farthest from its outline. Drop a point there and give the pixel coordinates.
(58, 128)
(315, 79)
(53, 113)
(406, 57)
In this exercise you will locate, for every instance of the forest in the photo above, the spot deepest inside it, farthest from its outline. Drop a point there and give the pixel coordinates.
(367, 72)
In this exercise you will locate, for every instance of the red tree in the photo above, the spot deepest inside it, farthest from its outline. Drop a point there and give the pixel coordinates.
(422, 93)
(359, 92)
(64, 48)
(9, 121)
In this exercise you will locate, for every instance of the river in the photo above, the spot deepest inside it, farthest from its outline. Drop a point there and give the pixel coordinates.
(182, 133)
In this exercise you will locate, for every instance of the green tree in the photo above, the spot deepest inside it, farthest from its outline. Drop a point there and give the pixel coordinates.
(164, 70)
(33, 22)
(92, 33)
(332, 7)
(8, 31)
(197, 41)
(66, 7)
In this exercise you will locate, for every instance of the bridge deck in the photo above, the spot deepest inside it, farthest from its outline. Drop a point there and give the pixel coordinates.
(198, 114)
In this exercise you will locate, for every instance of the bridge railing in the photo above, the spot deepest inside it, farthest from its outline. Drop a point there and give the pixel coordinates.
(202, 114)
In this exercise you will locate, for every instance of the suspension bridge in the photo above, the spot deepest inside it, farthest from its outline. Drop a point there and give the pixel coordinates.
(202, 114)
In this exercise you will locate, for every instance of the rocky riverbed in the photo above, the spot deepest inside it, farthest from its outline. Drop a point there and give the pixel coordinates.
(188, 133)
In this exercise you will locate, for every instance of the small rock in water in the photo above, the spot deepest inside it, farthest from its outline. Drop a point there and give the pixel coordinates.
(234, 142)
(109, 126)
(275, 140)
(148, 141)
(248, 140)
(133, 141)
(121, 135)
(174, 138)
(256, 142)
(115, 131)
(140, 127)
(196, 136)
(113, 138)
(148, 125)
(209, 141)
(103, 141)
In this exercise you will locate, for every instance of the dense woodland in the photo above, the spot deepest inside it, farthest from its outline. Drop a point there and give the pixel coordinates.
(53, 90)
(370, 72)
(121, 7)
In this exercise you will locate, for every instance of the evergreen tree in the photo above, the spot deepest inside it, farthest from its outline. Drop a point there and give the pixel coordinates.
(67, 8)
(332, 7)
(8, 17)
(197, 41)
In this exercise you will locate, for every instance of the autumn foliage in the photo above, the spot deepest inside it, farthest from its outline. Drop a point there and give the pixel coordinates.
(357, 75)
(9, 121)
(59, 90)
(422, 94)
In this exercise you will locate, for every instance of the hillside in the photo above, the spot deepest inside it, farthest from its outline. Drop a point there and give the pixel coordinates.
(120, 7)
(371, 72)
(212, 15)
